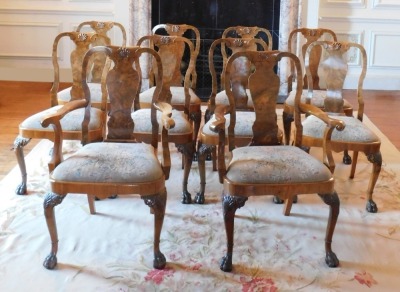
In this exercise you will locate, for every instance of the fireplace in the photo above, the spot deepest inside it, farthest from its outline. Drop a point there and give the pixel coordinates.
(211, 17)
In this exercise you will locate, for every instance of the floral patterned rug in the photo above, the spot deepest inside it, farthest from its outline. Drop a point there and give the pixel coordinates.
(112, 250)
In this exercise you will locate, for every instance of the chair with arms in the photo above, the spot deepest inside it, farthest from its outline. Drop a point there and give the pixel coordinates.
(356, 137)
(71, 124)
(170, 49)
(179, 96)
(208, 140)
(299, 40)
(119, 164)
(263, 167)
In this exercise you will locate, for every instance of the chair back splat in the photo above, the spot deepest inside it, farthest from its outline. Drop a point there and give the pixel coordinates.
(120, 164)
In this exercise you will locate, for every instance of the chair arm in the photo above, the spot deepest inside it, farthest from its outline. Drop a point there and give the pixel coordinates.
(331, 124)
(54, 121)
(218, 126)
(167, 123)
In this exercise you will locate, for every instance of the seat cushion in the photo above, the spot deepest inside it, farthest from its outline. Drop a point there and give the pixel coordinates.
(178, 96)
(141, 118)
(354, 131)
(275, 165)
(71, 121)
(222, 98)
(95, 93)
(317, 98)
(243, 127)
(103, 162)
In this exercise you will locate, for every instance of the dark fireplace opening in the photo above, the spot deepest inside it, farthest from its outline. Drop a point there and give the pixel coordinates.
(211, 17)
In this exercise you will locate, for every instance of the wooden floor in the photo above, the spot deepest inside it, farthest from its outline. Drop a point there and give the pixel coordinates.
(18, 100)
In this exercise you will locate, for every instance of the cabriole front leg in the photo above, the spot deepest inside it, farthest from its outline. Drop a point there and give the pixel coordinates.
(376, 160)
(230, 204)
(50, 201)
(19, 144)
(332, 200)
(157, 204)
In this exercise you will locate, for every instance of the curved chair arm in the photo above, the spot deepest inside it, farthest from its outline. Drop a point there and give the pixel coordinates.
(54, 121)
(331, 124)
(167, 123)
(219, 127)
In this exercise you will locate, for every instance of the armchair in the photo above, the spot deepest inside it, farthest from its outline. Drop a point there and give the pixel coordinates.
(263, 167)
(118, 164)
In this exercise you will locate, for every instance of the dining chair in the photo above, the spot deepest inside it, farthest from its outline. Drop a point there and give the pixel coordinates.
(171, 50)
(263, 167)
(356, 137)
(178, 98)
(186, 30)
(118, 164)
(102, 30)
(31, 128)
(298, 42)
(208, 140)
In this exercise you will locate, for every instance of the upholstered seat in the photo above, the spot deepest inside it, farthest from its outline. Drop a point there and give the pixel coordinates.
(355, 131)
(142, 125)
(110, 162)
(275, 165)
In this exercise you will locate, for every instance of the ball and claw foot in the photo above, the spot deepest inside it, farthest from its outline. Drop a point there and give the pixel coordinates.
(226, 263)
(371, 207)
(347, 159)
(199, 199)
(186, 198)
(21, 189)
(50, 261)
(331, 260)
(159, 261)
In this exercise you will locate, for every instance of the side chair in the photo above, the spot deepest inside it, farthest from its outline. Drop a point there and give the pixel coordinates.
(31, 128)
(264, 167)
(171, 49)
(119, 164)
(356, 137)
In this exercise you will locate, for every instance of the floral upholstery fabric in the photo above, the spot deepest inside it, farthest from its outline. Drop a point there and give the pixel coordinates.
(141, 118)
(275, 164)
(243, 127)
(95, 93)
(71, 121)
(178, 96)
(355, 130)
(222, 98)
(317, 98)
(110, 162)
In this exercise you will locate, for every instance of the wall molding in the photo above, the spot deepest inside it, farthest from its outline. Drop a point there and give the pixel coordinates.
(359, 19)
(393, 4)
(346, 3)
(60, 11)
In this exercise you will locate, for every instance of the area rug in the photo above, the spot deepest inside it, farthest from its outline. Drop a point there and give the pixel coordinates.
(112, 250)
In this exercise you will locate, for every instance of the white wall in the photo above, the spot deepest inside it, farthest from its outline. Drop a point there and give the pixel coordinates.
(376, 25)
(28, 29)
